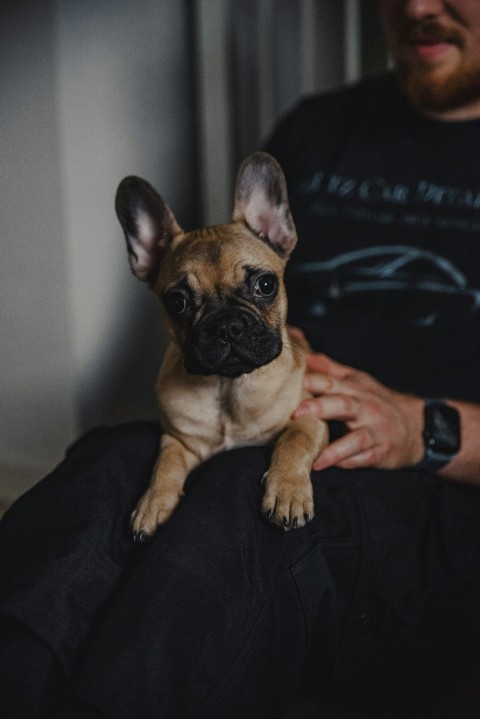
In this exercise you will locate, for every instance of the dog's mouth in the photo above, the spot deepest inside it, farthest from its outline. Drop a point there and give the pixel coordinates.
(231, 367)
(231, 343)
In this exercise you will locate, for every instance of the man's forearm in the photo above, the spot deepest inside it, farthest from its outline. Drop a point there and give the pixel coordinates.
(465, 466)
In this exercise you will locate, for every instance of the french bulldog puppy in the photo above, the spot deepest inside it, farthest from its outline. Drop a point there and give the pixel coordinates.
(231, 375)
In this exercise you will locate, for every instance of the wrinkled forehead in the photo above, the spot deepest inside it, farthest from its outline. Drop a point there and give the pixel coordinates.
(224, 255)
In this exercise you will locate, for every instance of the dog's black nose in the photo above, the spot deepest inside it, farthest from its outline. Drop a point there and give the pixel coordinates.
(227, 328)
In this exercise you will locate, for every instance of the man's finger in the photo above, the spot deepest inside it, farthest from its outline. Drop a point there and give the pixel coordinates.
(325, 365)
(323, 383)
(363, 459)
(357, 442)
(317, 383)
(341, 407)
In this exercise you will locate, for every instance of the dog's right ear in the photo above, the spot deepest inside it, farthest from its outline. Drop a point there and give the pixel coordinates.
(261, 202)
(148, 223)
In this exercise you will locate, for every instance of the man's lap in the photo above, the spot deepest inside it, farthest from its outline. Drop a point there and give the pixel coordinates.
(400, 547)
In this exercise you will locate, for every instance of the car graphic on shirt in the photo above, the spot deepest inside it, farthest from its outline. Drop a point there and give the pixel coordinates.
(432, 284)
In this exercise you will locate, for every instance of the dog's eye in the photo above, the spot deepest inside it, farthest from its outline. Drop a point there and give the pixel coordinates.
(266, 286)
(177, 302)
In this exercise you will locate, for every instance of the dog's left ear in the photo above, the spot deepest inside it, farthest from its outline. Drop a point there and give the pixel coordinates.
(148, 224)
(261, 201)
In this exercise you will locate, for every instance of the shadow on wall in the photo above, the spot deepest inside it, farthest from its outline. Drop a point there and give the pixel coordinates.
(121, 383)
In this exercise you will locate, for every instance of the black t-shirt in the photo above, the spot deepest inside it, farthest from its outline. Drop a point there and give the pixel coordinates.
(386, 273)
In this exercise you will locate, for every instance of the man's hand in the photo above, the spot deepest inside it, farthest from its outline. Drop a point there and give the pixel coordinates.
(385, 427)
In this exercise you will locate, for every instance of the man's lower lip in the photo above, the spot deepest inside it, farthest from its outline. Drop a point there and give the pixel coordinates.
(430, 50)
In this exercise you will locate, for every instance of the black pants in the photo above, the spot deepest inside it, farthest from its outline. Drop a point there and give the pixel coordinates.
(222, 614)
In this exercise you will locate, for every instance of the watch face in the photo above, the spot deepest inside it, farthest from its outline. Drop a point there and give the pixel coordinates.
(442, 428)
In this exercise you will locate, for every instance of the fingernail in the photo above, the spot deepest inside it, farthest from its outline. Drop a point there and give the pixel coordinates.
(320, 464)
(302, 410)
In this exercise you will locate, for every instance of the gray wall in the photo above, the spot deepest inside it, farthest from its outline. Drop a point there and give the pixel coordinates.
(37, 411)
(90, 91)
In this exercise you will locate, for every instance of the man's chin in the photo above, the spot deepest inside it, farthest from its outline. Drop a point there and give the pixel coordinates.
(438, 90)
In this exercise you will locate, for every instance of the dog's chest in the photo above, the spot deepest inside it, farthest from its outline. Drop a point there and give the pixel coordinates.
(212, 414)
(211, 419)
(241, 419)
(224, 421)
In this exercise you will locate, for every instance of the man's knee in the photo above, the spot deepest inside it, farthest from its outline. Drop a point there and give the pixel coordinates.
(228, 486)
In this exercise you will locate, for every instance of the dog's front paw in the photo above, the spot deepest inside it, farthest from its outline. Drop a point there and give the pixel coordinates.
(153, 509)
(288, 501)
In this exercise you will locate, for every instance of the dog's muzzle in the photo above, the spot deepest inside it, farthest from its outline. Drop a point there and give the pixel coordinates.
(230, 343)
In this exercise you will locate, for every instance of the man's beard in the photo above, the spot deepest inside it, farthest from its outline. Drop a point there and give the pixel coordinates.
(430, 89)
(429, 93)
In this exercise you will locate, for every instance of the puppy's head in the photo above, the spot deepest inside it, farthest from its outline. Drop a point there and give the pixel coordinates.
(221, 287)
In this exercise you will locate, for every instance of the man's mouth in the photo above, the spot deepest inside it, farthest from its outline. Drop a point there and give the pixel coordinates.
(431, 40)
(429, 50)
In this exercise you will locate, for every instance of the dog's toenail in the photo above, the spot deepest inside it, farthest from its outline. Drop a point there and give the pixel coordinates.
(142, 536)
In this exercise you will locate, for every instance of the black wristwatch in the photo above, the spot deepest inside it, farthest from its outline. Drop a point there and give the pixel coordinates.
(441, 435)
